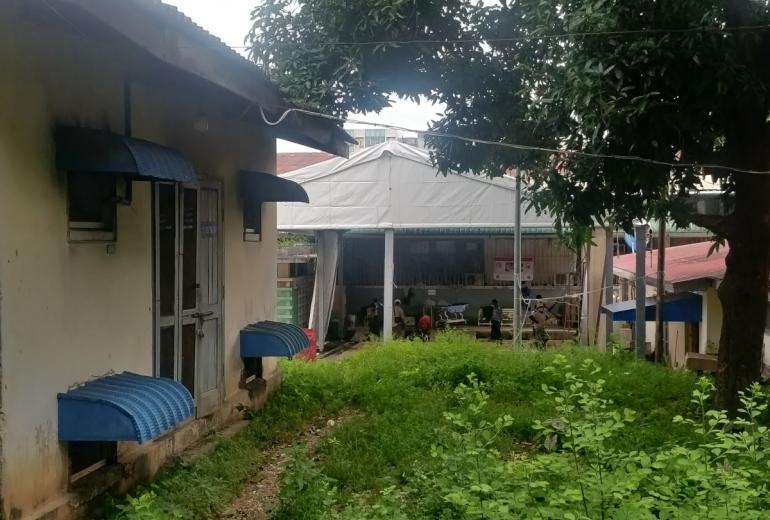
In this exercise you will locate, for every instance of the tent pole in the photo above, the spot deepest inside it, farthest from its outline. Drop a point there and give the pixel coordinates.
(340, 290)
(387, 318)
(517, 321)
(320, 300)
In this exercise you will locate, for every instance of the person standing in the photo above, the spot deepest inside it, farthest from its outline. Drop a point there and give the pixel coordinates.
(374, 313)
(497, 322)
(399, 319)
(539, 320)
(526, 296)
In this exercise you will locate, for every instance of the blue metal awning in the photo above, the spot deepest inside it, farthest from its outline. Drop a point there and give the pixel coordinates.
(272, 339)
(685, 307)
(258, 187)
(94, 151)
(123, 407)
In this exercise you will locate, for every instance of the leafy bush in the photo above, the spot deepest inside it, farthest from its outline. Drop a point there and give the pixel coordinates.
(578, 474)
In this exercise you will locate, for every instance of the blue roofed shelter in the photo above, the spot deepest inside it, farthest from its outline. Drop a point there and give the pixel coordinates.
(677, 307)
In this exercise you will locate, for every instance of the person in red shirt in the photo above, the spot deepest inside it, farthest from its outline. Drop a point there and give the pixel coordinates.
(424, 325)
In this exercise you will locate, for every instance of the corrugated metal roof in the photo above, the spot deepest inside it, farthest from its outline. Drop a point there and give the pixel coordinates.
(272, 339)
(123, 407)
(288, 162)
(95, 151)
(683, 263)
(175, 39)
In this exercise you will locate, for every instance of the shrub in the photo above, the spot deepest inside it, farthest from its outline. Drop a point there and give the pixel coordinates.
(579, 474)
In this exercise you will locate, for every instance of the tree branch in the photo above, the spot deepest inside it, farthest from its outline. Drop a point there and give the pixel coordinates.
(717, 224)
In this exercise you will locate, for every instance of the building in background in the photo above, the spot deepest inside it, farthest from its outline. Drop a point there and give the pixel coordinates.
(452, 238)
(692, 309)
(368, 137)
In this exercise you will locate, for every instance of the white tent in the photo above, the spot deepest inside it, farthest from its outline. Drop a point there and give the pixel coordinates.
(395, 186)
(391, 186)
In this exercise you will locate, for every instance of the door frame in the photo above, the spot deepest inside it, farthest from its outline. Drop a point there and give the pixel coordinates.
(218, 185)
(182, 317)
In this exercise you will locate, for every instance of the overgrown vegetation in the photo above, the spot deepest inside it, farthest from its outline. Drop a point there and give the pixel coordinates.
(422, 424)
(203, 487)
(287, 239)
(580, 473)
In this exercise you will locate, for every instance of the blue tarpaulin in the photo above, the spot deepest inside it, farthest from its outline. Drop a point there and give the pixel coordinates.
(272, 339)
(123, 407)
(682, 307)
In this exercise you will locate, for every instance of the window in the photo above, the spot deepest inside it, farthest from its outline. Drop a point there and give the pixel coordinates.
(91, 205)
(374, 137)
(87, 457)
(252, 222)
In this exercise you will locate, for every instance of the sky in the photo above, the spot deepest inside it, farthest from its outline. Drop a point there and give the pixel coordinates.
(229, 20)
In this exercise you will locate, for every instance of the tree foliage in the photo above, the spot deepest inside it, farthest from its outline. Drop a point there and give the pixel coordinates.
(668, 80)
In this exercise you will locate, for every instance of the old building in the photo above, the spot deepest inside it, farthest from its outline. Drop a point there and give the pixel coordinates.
(137, 241)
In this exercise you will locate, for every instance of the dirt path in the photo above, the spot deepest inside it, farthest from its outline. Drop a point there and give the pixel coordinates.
(259, 498)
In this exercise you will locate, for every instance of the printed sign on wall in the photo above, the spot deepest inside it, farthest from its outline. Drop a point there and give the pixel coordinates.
(504, 269)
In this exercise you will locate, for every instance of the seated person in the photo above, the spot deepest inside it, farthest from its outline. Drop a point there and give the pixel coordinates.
(425, 324)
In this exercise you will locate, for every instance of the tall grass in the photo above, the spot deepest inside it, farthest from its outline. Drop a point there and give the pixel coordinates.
(400, 392)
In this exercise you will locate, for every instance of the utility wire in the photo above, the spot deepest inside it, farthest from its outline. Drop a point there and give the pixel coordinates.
(544, 37)
(514, 146)
(577, 153)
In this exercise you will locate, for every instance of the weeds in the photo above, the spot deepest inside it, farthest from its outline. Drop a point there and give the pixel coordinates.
(721, 472)
(387, 459)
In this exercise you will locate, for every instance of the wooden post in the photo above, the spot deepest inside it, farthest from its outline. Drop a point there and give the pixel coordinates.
(641, 293)
(608, 285)
(660, 355)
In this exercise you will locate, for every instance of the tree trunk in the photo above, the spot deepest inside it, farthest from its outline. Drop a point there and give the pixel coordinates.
(744, 290)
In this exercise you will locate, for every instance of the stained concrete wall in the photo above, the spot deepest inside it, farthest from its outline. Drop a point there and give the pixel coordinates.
(71, 312)
(711, 327)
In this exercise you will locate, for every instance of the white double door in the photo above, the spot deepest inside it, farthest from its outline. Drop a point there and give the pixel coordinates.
(188, 289)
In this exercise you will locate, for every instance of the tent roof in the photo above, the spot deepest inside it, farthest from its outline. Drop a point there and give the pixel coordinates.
(395, 185)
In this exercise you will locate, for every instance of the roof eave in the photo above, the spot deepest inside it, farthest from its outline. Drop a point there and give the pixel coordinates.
(177, 41)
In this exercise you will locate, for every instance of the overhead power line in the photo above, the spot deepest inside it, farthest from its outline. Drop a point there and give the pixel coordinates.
(514, 146)
(544, 37)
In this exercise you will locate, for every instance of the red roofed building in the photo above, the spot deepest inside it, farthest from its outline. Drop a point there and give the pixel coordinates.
(688, 269)
(288, 162)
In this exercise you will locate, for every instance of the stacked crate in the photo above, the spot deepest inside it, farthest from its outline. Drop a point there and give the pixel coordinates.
(294, 297)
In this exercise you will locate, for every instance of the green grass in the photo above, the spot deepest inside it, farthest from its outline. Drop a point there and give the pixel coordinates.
(398, 394)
